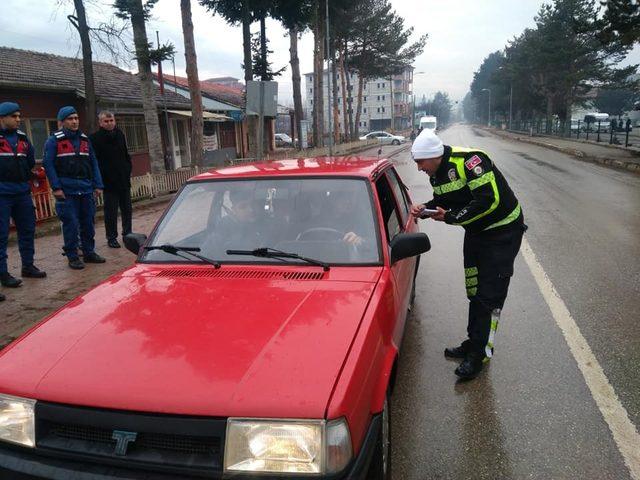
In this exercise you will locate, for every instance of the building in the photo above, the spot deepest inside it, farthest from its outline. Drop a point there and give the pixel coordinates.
(386, 102)
(225, 125)
(41, 83)
(231, 82)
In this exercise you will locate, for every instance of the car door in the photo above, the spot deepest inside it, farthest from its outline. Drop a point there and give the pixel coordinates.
(385, 138)
(395, 212)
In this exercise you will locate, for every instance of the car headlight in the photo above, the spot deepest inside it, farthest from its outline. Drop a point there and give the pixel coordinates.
(287, 446)
(17, 420)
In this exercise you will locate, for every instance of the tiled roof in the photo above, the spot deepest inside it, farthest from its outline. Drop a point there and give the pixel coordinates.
(212, 90)
(45, 71)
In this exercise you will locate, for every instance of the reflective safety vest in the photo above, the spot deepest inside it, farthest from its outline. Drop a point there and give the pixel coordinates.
(71, 162)
(13, 163)
(469, 184)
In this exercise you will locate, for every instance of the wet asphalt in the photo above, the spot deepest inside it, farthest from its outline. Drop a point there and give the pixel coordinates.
(530, 414)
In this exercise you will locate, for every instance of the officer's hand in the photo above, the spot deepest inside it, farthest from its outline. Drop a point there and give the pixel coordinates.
(97, 192)
(416, 209)
(352, 239)
(59, 194)
(439, 217)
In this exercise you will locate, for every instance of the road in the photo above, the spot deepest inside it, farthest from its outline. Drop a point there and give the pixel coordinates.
(532, 414)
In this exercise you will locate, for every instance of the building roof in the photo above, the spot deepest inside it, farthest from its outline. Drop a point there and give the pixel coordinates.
(216, 91)
(323, 166)
(43, 71)
(222, 79)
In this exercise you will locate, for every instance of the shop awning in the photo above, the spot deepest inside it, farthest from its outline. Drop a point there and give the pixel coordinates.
(207, 116)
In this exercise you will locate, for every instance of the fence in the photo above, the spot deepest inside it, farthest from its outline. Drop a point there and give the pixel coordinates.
(595, 131)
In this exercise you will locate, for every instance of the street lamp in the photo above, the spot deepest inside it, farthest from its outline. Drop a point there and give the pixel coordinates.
(488, 119)
(413, 107)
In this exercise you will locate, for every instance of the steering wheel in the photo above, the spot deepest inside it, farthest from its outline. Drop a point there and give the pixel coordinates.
(321, 230)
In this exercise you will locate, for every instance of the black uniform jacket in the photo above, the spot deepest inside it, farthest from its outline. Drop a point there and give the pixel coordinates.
(474, 192)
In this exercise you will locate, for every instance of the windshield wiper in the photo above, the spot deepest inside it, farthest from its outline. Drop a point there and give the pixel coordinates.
(175, 250)
(268, 252)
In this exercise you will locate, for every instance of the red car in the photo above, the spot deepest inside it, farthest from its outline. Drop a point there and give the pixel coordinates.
(257, 335)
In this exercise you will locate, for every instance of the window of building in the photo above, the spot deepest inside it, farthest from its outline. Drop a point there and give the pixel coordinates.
(383, 97)
(383, 85)
(38, 130)
(311, 90)
(382, 109)
(365, 123)
(378, 97)
(378, 109)
(135, 132)
(365, 98)
(365, 110)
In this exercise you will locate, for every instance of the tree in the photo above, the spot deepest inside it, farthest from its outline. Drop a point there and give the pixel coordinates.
(441, 108)
(616, 101)
(620, 22)
(197, 122)
(260, 52)
(378, 46)
(295, 16)
(138, 13)
(79, 21)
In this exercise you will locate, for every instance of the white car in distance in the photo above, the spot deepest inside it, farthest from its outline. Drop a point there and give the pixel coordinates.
(385, 138)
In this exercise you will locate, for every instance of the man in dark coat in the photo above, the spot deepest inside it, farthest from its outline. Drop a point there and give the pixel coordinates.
(114, 160)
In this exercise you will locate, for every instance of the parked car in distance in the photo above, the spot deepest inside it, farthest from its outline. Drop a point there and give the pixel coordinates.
(256, 336)
(594, 122)
(283, 140)
(385, 138)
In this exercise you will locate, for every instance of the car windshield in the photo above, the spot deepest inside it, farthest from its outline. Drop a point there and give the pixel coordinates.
(430, 125)
(312, 217)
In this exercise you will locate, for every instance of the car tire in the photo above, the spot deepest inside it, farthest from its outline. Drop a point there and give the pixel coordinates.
(380, 468)
(395, 142)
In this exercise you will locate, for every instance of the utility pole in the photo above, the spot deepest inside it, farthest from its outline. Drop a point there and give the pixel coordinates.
(510, 104)
(488, 119)
(329, 104)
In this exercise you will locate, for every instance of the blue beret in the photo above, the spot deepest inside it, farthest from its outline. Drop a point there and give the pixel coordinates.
(7, 108)
(64, 112)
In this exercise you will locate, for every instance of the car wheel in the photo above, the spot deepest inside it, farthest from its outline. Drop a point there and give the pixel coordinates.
(380, 468)
(395, 142)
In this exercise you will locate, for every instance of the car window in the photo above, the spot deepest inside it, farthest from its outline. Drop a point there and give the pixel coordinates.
(389, 208)
(400, 194)
(307, 216)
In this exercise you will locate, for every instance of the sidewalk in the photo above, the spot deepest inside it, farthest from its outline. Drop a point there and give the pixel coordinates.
(36, 299)
(604, 154)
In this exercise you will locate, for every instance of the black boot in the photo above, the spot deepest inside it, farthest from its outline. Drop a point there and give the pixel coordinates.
(76, 263)
(471, 366)
(2, 298)
(31, 271)
(458, 352)
(113, 243)
(93, 257)
(7, 280)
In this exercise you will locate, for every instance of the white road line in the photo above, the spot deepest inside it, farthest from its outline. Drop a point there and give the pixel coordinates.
(624, 432)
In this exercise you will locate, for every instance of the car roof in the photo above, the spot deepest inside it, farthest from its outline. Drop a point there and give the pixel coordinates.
(366, 167)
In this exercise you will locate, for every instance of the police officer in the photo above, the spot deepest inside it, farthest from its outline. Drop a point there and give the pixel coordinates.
(72, 170)
(16, 161)
(470, 191)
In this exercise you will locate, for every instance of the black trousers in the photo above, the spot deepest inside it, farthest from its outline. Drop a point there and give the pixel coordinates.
(114, 199)
(488, 266)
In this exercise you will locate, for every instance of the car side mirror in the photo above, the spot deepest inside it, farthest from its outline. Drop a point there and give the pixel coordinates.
(134, 242)
(405, 245)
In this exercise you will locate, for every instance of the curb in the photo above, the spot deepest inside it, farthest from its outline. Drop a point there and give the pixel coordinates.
(633, 167)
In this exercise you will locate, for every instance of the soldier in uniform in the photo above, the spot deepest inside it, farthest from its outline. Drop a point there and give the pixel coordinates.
(470, 191)
(72, 170)
(16, 161)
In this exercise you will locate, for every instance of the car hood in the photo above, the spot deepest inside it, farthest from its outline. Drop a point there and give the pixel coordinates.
(245, 342)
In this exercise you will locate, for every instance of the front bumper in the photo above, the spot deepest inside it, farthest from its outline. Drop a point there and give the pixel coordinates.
(22, 464)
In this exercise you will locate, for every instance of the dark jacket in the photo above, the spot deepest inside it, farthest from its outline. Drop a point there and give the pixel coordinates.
(70, 186)
(472, 189)
(113, 158)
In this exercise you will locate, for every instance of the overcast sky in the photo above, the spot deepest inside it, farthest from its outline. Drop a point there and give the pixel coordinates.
(461, 34)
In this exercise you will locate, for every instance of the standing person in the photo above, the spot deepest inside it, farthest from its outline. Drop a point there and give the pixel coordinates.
(114, 160)
(470, 191)
(16, 161)
(72, 170)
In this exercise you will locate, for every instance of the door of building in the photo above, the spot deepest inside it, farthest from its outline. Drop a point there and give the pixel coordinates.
(180, 143)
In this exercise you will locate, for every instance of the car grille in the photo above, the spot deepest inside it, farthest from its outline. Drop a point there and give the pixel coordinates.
(189, 445)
